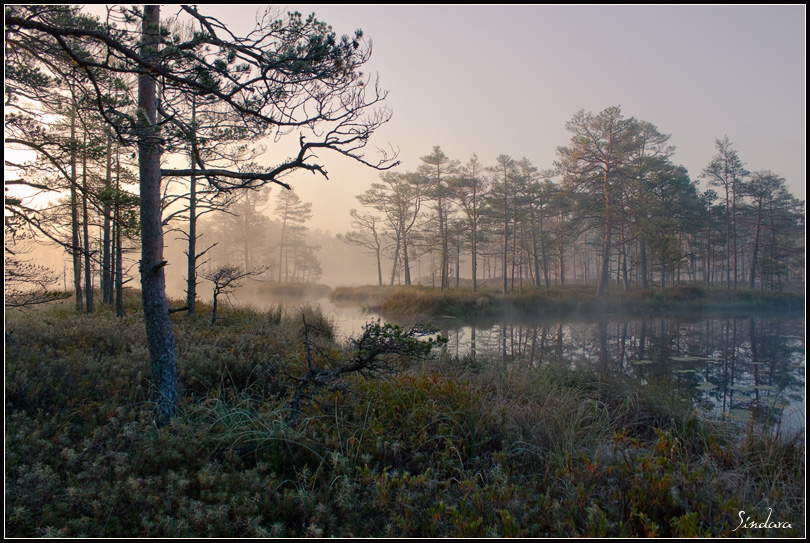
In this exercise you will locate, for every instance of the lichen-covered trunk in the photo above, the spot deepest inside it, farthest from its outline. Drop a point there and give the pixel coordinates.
(163, 362)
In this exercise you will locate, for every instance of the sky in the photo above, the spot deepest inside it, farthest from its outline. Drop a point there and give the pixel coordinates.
(495, 80)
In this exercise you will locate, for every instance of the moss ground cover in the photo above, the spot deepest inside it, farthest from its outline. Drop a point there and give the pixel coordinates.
(445, 447)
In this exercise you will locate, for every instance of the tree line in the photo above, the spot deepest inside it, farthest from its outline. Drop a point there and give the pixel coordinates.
(614, 210)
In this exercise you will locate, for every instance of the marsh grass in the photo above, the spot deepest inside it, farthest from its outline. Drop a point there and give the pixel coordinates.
(365, 295)
(447, 447)
(530, 302)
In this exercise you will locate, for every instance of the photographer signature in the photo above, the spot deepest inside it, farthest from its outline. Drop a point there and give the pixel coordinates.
(746, 522)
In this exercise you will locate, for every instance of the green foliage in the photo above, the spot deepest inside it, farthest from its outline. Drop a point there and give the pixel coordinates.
(386, 340)
(435, 450)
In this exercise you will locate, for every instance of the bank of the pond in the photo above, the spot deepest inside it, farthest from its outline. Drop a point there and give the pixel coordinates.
(445, 447)
(577, 300)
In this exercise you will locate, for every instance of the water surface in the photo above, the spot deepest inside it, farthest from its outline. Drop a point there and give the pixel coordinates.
(737, 369)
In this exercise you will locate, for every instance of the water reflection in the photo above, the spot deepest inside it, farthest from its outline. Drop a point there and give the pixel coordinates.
(732, 368)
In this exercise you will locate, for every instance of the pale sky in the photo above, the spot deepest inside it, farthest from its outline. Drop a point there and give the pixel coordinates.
(497, 80)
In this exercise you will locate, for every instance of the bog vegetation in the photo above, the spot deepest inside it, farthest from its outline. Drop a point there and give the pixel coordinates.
(578, 300)
(264, 444)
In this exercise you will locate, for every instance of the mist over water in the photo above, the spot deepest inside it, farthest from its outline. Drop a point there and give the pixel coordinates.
(731, 369)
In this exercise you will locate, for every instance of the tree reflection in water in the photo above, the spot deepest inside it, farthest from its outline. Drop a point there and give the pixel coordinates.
(732, 368)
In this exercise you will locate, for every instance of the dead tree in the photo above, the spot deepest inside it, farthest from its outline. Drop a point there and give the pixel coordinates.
(226, 279)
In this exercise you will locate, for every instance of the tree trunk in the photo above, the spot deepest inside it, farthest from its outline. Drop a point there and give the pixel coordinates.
(474, 257)
(281, 244)
(544, 252)
(396, 260)
(445, 265)
(106, 242)
(604, 277)
(458, 260)
(561, 256)
(119, 253)
(88, 275)
(643, 263)
(191, 281)
(214, 306)
(505, 239)
(623, 257)
(163, 392)
(379, 267)
(74, 215)
(709, 254)
(755, 253)
(406, 264)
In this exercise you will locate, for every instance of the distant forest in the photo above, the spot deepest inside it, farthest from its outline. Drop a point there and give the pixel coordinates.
(614, 209)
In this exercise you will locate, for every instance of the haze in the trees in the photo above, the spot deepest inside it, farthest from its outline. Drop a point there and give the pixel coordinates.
(294, 258)
(398, 198)
(289, 74)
